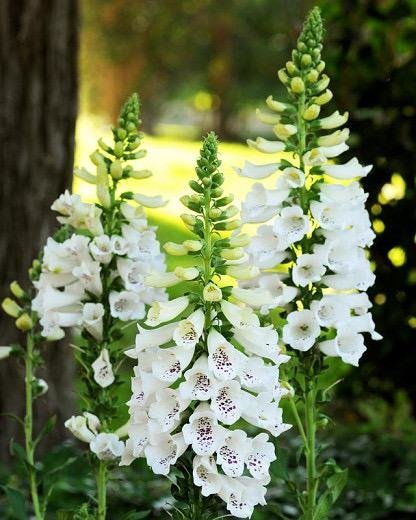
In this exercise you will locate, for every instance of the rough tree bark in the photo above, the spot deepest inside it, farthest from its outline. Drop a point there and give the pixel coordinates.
(38, 104)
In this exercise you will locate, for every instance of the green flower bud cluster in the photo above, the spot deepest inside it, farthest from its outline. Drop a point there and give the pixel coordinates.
(19, 307)
(110, 161)
(212, 213)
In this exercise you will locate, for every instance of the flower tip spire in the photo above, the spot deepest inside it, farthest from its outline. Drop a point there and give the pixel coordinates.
(313, 28)
(130, 112)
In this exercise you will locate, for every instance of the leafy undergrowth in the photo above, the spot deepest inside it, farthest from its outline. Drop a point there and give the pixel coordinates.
(376, 442)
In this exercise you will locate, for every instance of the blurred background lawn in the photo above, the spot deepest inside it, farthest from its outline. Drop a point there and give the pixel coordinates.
(207, 64)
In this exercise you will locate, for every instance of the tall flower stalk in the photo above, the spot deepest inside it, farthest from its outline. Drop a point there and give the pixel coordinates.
(94, 280)
(312, 255)
(19, 308)
(206, 366)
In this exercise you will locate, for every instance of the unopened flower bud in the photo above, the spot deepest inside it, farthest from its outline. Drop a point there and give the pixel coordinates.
(224, 201)
(11, 308)
(243, 272)
(188, 220)
(140, 174)
(193, 245)
(24, 322)
(320, 67)
(217, 192)
(324, 98)
(215, 213)
(118, 149)
(16, 290)
(121, 133)
(116, 170)
(306, 60)
(296, 85)
(212, 293)
(186, 273)
(322, 84)
(228, 226)
(196, 186)
(232, 254)
(283, 132)
(97, 158)
(312, 76)
(239, 240)
(277, 106)
(175, 249)
(283, 77)
(103, 193)
(103, 145)
(291, 68)
(312, 112)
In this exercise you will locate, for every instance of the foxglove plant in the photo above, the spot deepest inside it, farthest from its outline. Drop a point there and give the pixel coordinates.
(94, 280)
(206, 367)
(310, 247)
(19, 307)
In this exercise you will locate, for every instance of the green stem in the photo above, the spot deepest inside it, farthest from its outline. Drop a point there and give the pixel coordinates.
(207, 253)
(310, 450)
(298, 420)
(29, 445)
(101, 476)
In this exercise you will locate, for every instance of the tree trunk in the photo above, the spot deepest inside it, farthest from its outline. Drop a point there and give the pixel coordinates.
(38, 96)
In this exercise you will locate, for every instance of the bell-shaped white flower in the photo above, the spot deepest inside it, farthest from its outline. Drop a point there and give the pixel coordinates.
(262, 411)
(107, 446)
(103, 369)
(256, 376)
(330, 310)
(309, 268)
(293, 178)
(301, 330)
(78, 426)
(135, 215)
(126, 305)
(164, 450)
(260, 456)
(242, 494)
(233, 451)
(189, 330)
(133, 273)
(88, 273)
(224, 360)
(228, 401)
(199, 382)
(169, 363)
(166, 408)
(256, 297)
(291, 225)
(92, 319)
(100, 248)
(5, 352)
(154, 337)
(262, 204)
(119, 245)
(203, 431)
(257, 171)
(348, 170)
(267, 249)
(160, 312)
(206, 476)
(261, 341)
(240, 317)
(349, 346)
(127, 456)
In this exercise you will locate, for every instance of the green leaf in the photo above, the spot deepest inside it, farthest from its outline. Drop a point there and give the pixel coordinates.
(48, 427)
(16, 501)
(335, 484)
